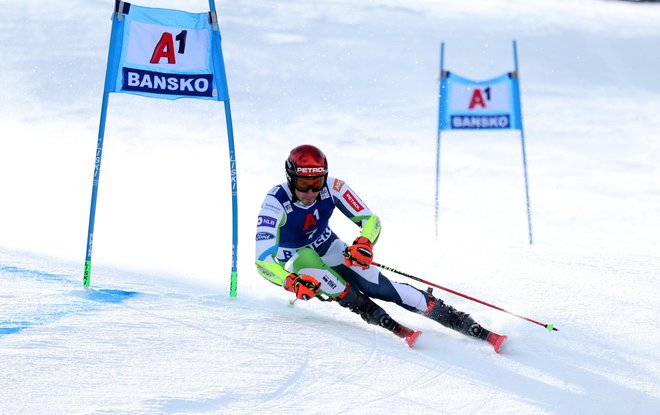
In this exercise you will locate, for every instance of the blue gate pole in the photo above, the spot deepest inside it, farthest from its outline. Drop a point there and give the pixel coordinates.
(95, 188)
(234, 201)
(234, 187)
(522, 141)
(437, 151)
(108, 86)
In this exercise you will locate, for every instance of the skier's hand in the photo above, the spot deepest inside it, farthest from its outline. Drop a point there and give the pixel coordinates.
(360, 253)
(304, 286)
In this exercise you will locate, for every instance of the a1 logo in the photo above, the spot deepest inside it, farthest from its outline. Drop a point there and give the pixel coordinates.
(177, 47)
(311, 219)
(165, 47)
(478, 98)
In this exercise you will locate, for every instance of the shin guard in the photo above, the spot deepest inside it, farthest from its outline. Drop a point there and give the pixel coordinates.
(456, 320)
(372, 313)
(362, 305)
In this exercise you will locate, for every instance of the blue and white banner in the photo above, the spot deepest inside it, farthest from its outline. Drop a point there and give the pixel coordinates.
(469, 105)
(164, 53)
(168, 54)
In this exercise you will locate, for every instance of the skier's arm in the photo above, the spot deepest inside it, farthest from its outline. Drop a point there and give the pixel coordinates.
(273, 272)
(271, 218)
(371, 228)
(350, 204)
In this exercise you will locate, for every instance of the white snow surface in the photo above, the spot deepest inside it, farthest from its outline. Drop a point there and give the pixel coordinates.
(158, 333)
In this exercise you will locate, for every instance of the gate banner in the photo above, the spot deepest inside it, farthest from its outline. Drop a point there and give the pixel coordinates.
(476, 105)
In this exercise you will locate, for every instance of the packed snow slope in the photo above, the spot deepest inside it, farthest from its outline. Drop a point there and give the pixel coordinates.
(157, 331)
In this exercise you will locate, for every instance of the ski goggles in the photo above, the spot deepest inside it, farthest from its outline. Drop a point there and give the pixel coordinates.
(303, 184)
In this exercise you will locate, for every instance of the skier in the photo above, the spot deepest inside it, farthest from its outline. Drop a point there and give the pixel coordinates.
(296, 249)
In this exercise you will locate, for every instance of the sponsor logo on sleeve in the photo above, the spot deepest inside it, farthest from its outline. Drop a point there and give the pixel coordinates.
(271, 207)
(266, 221)
(352, 201)
(337, 185)
(265, 271)
(262, 236)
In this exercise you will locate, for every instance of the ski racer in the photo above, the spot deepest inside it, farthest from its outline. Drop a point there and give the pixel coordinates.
(297, 250)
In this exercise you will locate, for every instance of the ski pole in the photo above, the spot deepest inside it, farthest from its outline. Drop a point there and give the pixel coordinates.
(549, 327)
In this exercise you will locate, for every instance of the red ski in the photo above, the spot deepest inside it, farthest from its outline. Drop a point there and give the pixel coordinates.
(412, 337)
(496, 341)
(409, 335)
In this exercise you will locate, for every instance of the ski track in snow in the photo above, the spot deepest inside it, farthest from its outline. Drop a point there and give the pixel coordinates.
(557, 383)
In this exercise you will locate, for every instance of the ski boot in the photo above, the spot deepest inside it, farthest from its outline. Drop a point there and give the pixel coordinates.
(449, 317)
(372, 313)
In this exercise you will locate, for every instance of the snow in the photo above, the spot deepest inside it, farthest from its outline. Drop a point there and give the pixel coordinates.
(158, 333)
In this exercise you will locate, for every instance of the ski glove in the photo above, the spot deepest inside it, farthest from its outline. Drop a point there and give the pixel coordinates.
(304, 286)
(360, 253)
